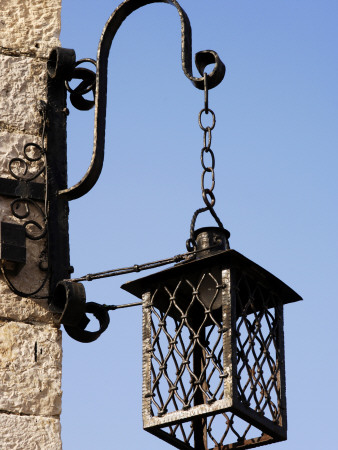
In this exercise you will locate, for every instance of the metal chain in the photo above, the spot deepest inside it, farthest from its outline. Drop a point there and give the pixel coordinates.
(207, 192)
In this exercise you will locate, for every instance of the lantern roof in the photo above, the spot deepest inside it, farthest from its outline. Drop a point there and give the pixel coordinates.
(230, 259)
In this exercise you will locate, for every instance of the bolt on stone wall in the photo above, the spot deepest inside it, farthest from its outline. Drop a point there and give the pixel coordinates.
(30, 343)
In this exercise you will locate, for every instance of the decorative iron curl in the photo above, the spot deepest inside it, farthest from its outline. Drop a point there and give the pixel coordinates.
(62, 64)
(21, 169)
(87, 85)
(24, 166)
(24, 202)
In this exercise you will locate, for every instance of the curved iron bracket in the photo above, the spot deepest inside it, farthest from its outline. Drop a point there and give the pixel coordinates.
(68, 303)
(202, 59)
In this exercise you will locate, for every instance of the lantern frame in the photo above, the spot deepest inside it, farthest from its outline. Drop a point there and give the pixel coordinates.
(259, 401)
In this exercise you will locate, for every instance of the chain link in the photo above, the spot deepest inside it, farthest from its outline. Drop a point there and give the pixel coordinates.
(208, 168)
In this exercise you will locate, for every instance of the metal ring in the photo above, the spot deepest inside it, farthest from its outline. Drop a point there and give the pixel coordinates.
(206, 93)
(83, 60)
(209, 151)
(207, 131)
(80, 74)
(79, 333)
(205, 193)
(213, 119)
(91, 86)
(191, 245)
(212, 179)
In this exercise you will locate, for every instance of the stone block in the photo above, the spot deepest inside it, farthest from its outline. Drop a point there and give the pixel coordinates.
(30, 26)
(22, 309)
(23, 83)
(31, 433)
(30, 369)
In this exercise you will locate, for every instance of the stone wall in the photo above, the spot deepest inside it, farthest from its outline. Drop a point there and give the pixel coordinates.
(30, 344)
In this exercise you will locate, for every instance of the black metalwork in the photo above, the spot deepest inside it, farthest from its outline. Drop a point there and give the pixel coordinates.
(62, 68)
(140, 267)
(13, 244)
(213, 350)
(58, 236)
(68, 301)
(25, 170)
(207, 193)
(43, 198)
(87, 85)
(60, 65)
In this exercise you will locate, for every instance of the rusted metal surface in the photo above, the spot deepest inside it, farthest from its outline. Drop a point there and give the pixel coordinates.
(202, 59)
(213, 373)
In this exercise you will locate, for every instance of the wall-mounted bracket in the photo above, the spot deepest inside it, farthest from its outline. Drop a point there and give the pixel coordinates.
(13, 246)
(13, 235)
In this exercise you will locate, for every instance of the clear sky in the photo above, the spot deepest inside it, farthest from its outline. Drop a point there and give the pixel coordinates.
(275, 144)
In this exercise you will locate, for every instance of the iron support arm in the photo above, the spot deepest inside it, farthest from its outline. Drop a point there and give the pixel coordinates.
(56, 68)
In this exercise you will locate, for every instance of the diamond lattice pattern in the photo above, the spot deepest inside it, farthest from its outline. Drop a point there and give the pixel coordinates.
(258, 358)
(187, 357)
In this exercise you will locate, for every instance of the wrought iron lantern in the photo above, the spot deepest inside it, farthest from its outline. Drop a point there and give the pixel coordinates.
(213, 349)
(213, 343)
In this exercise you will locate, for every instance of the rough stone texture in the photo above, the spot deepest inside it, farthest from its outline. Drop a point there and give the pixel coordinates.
(30, 369)
(30, 26)
(22, 309)
(31, 433)
(30, 345)
(22, 85)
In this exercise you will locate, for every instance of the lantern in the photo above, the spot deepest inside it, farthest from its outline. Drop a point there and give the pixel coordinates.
(213, 349)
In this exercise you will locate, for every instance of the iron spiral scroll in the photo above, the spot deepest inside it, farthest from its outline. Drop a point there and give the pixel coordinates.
(63, 68)
(21, 207)
(25, 169)
(62, 64)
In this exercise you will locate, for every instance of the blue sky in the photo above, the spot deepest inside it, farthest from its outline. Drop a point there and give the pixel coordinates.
(275, 143)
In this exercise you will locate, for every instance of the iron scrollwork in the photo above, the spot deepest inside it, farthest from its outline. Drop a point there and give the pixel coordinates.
(68, 302)
(25, 170)
(87, 85)
(21, 207)
(60, 65)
